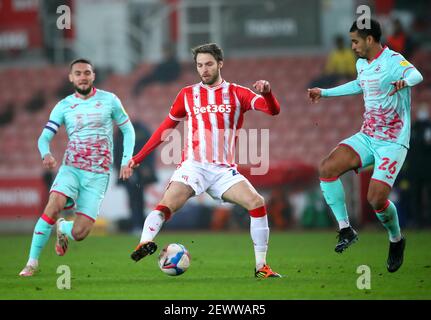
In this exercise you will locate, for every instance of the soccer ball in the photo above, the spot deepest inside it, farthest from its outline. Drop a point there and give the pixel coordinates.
(174, 259)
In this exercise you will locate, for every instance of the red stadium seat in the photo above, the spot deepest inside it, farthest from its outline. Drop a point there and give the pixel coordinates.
(302, 131)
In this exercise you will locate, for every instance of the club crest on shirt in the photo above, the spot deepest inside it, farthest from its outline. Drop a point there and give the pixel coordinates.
(98, 105)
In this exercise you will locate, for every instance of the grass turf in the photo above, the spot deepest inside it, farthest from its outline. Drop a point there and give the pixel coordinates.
(222, 268)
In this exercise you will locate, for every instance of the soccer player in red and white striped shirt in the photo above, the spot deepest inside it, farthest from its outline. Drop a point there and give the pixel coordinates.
(214, 110)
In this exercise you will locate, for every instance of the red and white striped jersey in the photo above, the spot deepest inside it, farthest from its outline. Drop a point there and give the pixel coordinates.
(214, 115)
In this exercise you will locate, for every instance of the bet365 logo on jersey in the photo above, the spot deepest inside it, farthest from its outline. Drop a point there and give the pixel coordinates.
(223, 108)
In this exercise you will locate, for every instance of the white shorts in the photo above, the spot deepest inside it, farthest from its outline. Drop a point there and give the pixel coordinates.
(205, 177)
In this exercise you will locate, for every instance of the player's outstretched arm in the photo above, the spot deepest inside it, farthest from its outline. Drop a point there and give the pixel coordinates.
(155, 140)
(347, 89)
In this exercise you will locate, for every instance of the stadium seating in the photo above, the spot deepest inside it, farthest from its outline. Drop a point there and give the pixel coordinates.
(301, 132)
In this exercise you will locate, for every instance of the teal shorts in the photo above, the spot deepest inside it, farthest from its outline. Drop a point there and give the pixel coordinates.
(84, 190)
(387, 157)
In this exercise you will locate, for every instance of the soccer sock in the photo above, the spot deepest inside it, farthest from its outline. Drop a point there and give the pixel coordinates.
(333, 192)
(259, 232)
(41, 234)
(66, 228)
(154, 222)
(388, 216)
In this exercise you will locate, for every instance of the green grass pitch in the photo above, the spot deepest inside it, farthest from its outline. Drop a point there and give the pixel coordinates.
(222, 268)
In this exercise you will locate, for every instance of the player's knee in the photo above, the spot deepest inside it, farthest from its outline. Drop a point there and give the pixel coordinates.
(52, 210)
(54, 207)
(80, 233)
(256, 201)
(377, 200)
(326, 169)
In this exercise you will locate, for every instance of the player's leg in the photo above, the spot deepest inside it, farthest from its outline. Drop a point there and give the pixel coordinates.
(42, 231)
(378, 197)
(92, 189)
(174, 198)
(340, 160)
(386, 212)
(389, 160)
(245, 195)
(78, 229)
(351, 153)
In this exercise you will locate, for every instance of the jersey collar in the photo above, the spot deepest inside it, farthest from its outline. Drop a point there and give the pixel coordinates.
(93, 92)
(378, 55)
(213, 88)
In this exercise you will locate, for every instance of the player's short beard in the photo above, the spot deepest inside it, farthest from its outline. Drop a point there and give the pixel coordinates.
(212, 80)
(84, 92)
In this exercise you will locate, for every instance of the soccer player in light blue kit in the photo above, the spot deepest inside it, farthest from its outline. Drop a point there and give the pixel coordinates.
(385, 79)
(83, 178)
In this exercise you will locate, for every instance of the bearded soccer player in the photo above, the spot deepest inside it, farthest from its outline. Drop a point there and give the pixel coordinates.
(83, 178)
(385, 78)
(214, 110)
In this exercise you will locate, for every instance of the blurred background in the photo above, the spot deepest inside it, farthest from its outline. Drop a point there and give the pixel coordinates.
(141, 52)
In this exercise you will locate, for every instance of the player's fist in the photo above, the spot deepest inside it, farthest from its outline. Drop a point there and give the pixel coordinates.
(398, 85)
(49, 161)
(262, 86)
(314, 94)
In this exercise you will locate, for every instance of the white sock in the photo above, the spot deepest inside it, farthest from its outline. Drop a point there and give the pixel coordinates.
(259, 231)
(33, 262)
(395, 239)
(152, 225)
(343, 224)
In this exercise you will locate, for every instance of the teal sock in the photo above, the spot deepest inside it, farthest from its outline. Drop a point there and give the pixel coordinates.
(41, 234)
(389, 219)
(333, 192)
(66, 228)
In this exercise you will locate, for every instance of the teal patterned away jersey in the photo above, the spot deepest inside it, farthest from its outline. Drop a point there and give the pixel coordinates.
(386, 117)
(89, 126)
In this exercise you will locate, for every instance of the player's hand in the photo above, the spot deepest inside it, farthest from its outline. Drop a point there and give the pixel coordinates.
(398, 85)
(49, 161)
(314, 94)
(131, 164)
(262, 86)
(125, 172)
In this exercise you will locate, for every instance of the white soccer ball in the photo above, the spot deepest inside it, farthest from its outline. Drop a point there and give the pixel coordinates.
(174, 259)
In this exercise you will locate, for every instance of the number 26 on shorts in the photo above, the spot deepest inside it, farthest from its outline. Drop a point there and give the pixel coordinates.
(391, 168)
